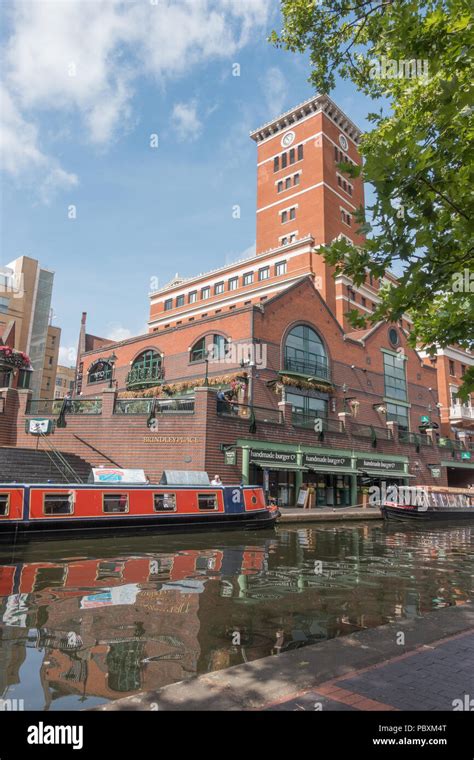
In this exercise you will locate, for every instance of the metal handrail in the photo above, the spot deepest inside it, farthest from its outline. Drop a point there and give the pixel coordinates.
(144, 406)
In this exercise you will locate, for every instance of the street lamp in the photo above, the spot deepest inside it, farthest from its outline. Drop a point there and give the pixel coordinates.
(206, 377)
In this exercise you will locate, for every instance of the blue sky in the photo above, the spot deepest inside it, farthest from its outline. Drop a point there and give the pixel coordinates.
(87, 84)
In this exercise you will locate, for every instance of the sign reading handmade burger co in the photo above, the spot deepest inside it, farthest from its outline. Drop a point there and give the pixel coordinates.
(263, 456)
(330, 461)
(379, 465)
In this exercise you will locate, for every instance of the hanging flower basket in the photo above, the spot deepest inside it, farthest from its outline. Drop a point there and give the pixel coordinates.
(9, 357)
(297, 382)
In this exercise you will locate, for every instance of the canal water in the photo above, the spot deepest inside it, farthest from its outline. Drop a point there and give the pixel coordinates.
(86, 622)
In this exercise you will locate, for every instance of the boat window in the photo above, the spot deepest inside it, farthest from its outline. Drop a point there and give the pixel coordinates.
(4, 504)
(115, 502)
(57, 504)
(207, 501)
(164, 502)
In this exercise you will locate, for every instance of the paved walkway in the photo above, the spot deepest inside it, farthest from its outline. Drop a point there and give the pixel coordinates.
(430, 678)
(368, 670)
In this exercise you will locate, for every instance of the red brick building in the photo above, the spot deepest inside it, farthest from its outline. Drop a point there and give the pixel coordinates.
(308, 398)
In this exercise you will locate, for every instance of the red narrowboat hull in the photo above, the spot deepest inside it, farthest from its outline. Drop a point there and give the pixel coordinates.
(76, 510)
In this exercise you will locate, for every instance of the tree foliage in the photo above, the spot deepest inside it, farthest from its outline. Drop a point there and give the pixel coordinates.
(417, 57)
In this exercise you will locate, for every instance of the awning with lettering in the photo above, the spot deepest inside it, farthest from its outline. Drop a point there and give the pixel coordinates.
(280, 466)
(331, 470)
(384, 474)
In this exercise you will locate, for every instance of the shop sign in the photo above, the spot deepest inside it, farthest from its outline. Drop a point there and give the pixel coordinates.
(270, 457)
(435, 472)
(465, 454)
(230, 457)
(424, 419)
(370, 463)
(326, 460)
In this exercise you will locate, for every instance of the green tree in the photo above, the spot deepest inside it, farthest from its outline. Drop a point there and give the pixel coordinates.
(417, 56)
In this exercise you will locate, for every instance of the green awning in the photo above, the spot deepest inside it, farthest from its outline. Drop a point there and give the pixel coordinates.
(384, 473)
(280, 466)
(331, 470)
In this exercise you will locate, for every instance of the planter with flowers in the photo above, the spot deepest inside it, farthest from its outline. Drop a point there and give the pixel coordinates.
(235, 383)
(10, 358)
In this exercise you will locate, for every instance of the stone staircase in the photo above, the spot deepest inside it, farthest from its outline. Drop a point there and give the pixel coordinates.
(35, 466)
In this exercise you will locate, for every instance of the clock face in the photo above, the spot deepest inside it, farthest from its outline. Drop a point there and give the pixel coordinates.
(343, 142)
(287, 139)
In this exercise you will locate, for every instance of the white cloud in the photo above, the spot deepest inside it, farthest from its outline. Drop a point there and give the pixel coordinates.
(186, 121)
(275, 89)
(67, 356)
(22, 156)
(83, 58)
(118, 332)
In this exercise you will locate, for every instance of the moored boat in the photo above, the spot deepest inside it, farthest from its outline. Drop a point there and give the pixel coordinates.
(78, 509)
(429, 503)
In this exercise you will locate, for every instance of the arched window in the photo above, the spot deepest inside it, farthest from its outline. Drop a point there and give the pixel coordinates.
(219, 347)
(100, 372)
(146, 369)
(198, 351)
(305, 353)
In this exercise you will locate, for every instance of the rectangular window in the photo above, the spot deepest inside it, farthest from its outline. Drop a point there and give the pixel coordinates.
(463, 370)
(452, 370)
(397, 413)
(192, 298)
(284, 241)
(264, 273)
(280, 187)
(248, 278)
(57, 504)
(115, 503)
(168, 304)
(233, 283)
(349, 189)
(164, 502)
(205, 293)
(287, 183)
(292, 213)
(4, 304)
(284, 161)
(394, 375)
(276, 163)
(207, 501)
(363, 301)
(292, 156)
(300, 152)
(284, 217)
(180, 301)
(296, 179)
(4, 504)
(280, 268)
(219, 288)
(336, 154)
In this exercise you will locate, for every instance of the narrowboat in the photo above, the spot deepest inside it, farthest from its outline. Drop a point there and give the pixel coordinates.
(107, 505)
(429, 504)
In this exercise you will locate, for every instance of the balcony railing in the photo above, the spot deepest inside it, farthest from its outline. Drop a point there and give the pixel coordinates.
(451, 443)
(141, 376)
(247, 412)
(461, 412)
(313, 422)
(317, 367)
(370, 431)
(52, 407)
(417, 439)
(144, 406)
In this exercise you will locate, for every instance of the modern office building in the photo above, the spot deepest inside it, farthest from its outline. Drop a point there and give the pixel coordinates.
(25, 325)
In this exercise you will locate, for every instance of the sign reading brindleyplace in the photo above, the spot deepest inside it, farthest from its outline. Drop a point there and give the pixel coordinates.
(382, 465)
(282, 457)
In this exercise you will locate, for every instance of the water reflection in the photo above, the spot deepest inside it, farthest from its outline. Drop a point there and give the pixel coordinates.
(86, 622)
